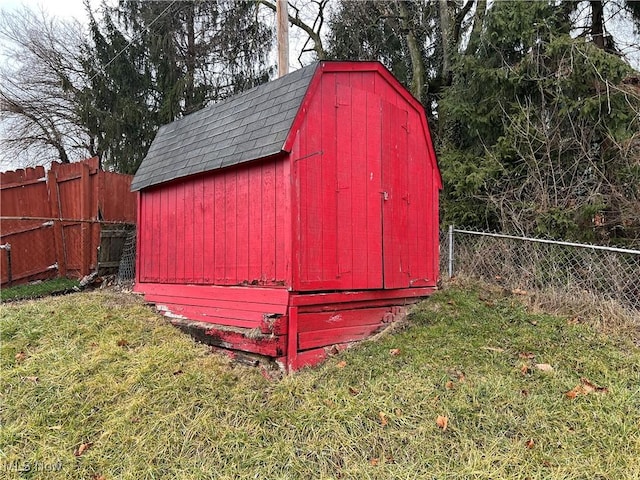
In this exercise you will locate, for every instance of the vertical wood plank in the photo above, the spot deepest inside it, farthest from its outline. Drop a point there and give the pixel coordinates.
(344, 215)
(209, 229)
(198, 230)
(419, 201)
(58, 236)
(143, 250)
(325, 246)
(231, 245)
(374, 197)
(280, 230)
(268, 221)
(165, 246)
(243, 226)
(180, 232)
(189, 239)
(86, 198)
(220, 234)
(286, 230)
(303, 251)
(255, 223)
(359, 179)
(295, 256)
(171, 232)
(155, 235)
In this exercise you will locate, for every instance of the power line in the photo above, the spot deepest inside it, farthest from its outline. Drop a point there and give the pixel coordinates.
(134, 39)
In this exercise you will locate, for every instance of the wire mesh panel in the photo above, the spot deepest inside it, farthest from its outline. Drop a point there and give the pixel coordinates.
(127, 270)
(537, 264)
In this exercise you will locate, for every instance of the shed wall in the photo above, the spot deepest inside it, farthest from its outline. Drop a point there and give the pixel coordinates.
(228, 227)
(365, 190)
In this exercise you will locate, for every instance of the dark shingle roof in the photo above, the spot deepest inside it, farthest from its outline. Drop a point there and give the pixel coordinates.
(241, 128)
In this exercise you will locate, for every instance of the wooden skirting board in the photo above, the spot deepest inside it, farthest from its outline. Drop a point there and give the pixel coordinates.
(293, 329)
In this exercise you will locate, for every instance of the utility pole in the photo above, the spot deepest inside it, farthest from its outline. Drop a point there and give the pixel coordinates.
(282, 21)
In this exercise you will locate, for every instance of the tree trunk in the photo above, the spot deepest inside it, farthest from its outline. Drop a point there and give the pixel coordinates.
(447, 42)
(417, 62)
(478, 24)
(190, 61)
(597, 23)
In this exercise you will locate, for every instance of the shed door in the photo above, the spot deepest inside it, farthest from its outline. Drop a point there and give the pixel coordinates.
(353, 195)
(395, 196)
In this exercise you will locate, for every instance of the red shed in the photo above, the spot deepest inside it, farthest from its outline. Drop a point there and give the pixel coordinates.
(297, 215)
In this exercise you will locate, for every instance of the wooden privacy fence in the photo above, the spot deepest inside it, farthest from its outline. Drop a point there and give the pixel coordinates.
(52, 222)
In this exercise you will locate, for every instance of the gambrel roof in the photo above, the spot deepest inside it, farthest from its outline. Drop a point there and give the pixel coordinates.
(245, 127)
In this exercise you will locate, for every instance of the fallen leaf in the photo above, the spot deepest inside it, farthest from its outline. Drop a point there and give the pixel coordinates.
(32, 379)
(383, 419)
(592, 387)
(374, 462)
(572, 393)
(394, 351)
(493, 349)
(20, 356)
(585, 388)
(545, 367)
(518, 291)
(534, 323)
(530, 443)
(574, 321)
(461, 376)
(527, 355)
(353, 391)
(82, 448)
(498, 277)
(442, 422)
(135, 420)
(341, 364)
(525, 369)
(122, 343)
(98, 477)
(449, 385)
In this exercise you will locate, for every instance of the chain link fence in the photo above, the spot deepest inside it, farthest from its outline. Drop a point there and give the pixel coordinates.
(536, 265)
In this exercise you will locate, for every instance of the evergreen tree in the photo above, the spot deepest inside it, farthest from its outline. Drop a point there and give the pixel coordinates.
(540, 131)
(151, 62)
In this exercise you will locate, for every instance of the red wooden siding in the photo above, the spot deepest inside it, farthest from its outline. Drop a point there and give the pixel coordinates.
(364, 192)
(230, 227)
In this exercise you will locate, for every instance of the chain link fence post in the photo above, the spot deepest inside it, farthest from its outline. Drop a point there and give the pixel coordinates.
(450, 270)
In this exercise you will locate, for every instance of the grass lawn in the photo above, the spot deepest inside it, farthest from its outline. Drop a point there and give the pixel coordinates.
(39, 289)
(96, 386)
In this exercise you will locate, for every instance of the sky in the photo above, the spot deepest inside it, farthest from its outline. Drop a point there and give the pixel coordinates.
(62, 8)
